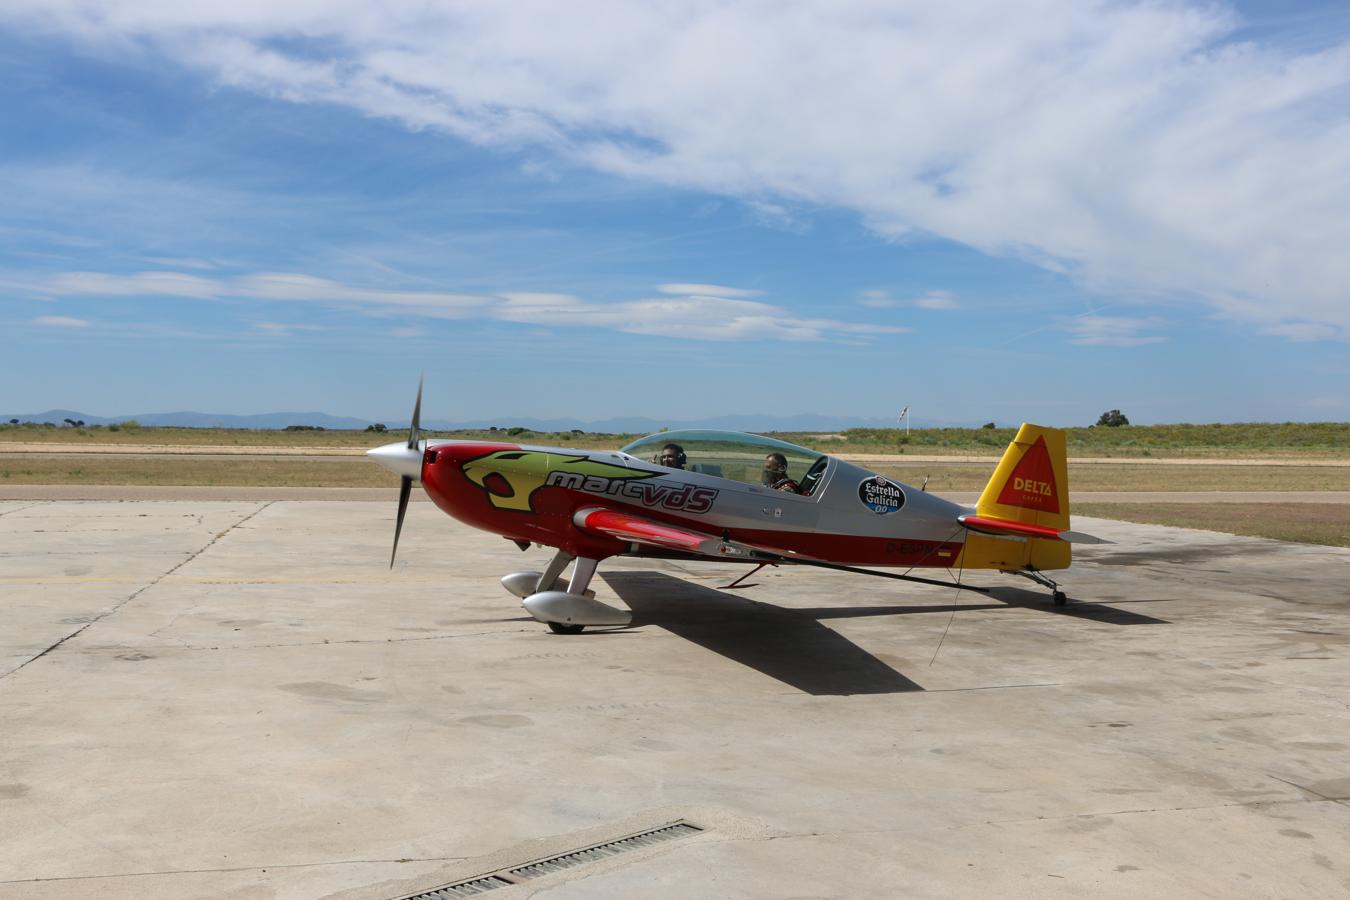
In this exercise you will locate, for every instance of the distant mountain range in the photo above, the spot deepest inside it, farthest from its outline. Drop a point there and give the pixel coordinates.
(617, 425)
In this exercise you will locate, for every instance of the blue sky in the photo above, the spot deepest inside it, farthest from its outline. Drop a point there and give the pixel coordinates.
(732, 208)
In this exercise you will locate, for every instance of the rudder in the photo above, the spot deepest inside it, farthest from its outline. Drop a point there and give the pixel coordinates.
(1031, 483)
(1030, 486)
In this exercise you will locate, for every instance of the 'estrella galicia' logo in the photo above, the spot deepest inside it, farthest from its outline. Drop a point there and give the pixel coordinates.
(881, 495)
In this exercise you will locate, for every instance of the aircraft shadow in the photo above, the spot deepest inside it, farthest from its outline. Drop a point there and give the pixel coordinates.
(785, 644)
(1077, 609)
(1007, 597)
(794, 647)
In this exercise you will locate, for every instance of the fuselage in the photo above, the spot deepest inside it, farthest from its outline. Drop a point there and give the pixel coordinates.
(530, 493)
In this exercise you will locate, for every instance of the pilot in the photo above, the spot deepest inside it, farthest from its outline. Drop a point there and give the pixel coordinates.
(672, 456)
(776, 474)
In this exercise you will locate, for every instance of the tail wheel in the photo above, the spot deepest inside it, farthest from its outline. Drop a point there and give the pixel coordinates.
(1060, 598)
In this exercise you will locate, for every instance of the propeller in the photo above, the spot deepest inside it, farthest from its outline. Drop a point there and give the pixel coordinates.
(406, 461)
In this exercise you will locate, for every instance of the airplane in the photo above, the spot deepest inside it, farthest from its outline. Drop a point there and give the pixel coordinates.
(713, 501)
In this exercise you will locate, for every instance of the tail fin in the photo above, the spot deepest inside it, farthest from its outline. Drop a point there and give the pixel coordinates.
(1029, 492)
(1031, 483)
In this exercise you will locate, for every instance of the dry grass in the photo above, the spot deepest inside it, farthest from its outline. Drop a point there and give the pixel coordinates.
(1309, 523)
(359, 472)
(193, 471)
(1316, 440)
(1161, 477)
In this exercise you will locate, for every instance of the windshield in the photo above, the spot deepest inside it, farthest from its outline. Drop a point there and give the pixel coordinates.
(724, 454)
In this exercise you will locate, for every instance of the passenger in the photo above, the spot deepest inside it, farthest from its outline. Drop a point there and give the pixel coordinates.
(672, 456)
(776, 474)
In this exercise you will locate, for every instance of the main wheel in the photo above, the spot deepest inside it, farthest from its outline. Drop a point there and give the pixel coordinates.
(560, 628)
(1060, 598)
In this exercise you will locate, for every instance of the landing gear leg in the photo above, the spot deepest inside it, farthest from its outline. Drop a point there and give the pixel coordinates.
(560, 561)
(569, 611)
(1058, 597)
(582, 575)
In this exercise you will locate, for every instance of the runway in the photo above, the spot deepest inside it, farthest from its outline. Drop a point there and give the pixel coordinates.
(235, 697)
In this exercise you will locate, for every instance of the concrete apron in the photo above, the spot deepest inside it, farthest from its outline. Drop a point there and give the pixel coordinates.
(238, 699)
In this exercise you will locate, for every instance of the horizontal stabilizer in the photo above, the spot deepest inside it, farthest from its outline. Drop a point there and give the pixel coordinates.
(1005, 527)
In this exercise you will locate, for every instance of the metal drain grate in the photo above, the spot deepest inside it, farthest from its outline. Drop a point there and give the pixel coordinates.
(539, 868)
(601, 851)
(463, 889)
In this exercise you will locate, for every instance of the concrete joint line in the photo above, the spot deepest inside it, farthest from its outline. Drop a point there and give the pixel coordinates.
(22, 508)
(311, 865)
(141, 590)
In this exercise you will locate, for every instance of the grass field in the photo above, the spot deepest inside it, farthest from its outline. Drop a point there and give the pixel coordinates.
(358, 472)
(1309, 523)
(1307, 440)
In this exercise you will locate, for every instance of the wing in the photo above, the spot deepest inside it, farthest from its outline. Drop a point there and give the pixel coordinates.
(641, 530)
(1026, 530)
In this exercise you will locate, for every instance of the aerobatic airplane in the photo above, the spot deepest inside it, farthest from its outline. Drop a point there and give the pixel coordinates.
(719, 495)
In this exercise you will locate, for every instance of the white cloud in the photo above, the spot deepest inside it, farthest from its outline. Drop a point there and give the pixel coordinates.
(1306, 331)
(177, 262)
(285, 329)
(1113, 331)
(707, 290)
(1137, 146)
(697, 314)
(879, 299)
(936, 300)
(61, 322)
(692, 317)
(280, 286)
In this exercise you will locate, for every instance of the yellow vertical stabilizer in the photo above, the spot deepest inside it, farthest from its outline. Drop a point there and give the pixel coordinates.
(1030, 485)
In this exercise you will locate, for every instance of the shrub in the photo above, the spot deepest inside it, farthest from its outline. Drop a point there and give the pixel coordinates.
(1113, 418)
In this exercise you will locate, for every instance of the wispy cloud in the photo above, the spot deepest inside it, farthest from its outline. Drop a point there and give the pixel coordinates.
(690, 311)
(879, 299)
(1113, 331)
(1135, 146)
(1306, 331)
(694, 317)
(61, 322)
(707, 290)
(936, 300)
(280, 286)
(286, 329)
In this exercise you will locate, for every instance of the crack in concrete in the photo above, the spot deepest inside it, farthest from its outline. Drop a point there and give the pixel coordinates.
(328, 643)
(208, 871)
(22, 508)
(848, 832)
(136, 593)
(1308, 790)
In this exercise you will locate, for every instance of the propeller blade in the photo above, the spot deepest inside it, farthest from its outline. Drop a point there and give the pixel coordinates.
(415, 431)
(404, 491)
